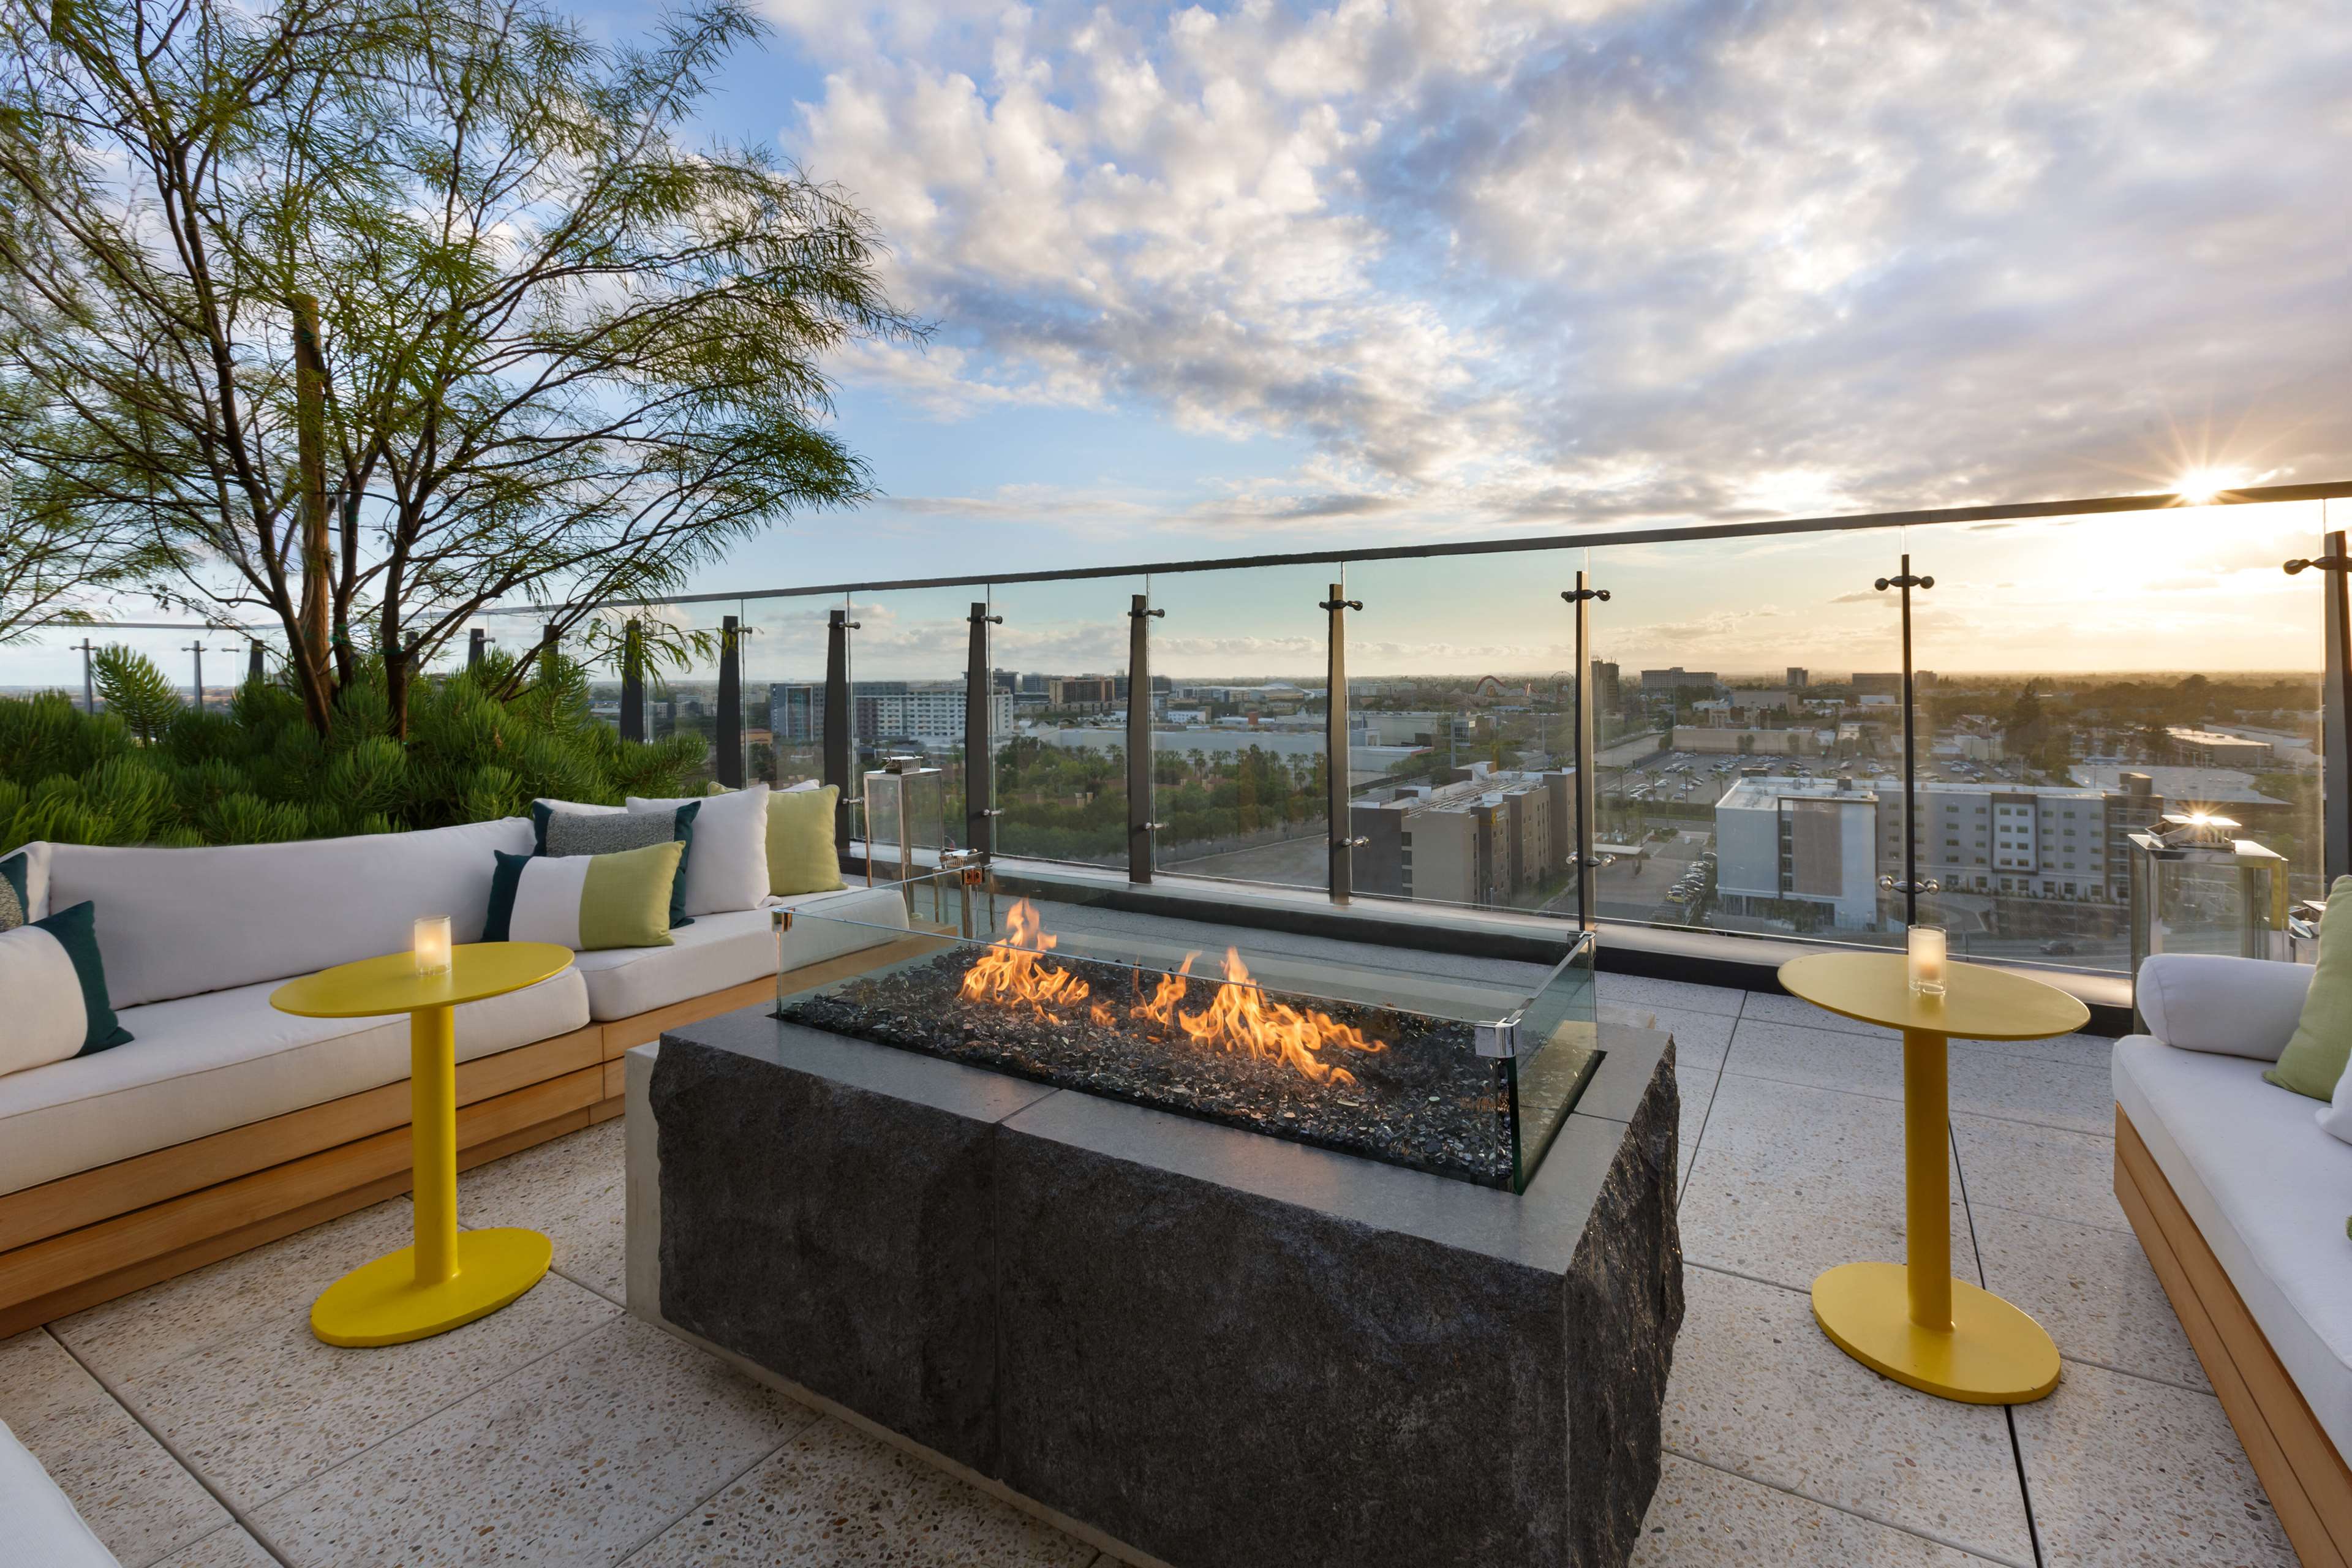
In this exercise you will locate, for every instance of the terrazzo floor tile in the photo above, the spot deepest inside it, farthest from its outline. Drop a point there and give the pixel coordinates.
(833, 1495)
(1703, 1518)
(2125, 1471)
(1776, 1008)
(1987, 1079)
(1757, 1390)
(2090, 1287)
(1697, 1095)
(2038, 1170)
(131, 1493)
(571, 1189)
(230, 1548)
(1699, 1037)
(260, 1414)
(576, 1460)
(1792, 1180)
(1634, 990)
(221, 1301)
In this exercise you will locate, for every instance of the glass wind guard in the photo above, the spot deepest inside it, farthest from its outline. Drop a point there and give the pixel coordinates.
(1560, 1046)
(1369, 1051)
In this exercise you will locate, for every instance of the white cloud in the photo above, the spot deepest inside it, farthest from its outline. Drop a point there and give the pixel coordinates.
(1502, 263)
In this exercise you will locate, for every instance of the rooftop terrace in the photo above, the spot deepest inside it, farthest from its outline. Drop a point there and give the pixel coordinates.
(198, 1425)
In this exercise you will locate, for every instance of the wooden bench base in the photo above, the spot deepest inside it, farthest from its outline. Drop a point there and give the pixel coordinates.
(2308, 1482)
(91, 1237)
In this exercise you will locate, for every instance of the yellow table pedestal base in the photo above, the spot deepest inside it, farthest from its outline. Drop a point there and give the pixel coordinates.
(1992, 1355)
(382, 1303)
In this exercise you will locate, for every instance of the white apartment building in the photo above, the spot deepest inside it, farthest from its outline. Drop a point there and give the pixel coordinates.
(1828, 841)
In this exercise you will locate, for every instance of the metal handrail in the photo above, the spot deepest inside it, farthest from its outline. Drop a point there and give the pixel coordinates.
(2007, 511)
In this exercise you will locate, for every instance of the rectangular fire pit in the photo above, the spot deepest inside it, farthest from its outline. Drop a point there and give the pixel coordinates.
(1460, 1080)
(1215, 1347)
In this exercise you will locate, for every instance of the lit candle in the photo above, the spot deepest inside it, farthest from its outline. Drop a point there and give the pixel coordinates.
(432, 944)
(1928, 953)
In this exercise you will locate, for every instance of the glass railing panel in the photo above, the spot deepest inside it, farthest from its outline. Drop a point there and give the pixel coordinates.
(783, 685)
(2088, 677)
(1557, 1046)
(1238, 750)
(1749, 693)
(1461, 710)
(907, 661)
(1061, 652)
(52, 660)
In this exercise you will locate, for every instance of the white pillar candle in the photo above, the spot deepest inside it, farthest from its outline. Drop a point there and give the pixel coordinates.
(432, 944)
(1928, 952)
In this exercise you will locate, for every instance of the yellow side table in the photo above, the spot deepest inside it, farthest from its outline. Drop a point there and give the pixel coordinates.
(446, 1279)
(1914, 1321)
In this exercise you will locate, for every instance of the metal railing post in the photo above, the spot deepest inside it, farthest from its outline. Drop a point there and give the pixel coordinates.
(980, 738)
(474, 643)
(88, 682)
(1910, 886)
(1344, 844)
(1139, 824)
(255, 672)
(197, 649)
(1586, 859)
(2335, 703)
(633, 682)
(838, 719)
(727, 765)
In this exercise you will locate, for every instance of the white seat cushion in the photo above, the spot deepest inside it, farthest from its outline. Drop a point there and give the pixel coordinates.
(42, 1526)
(201, 1065)
(2270, 1193)
(173, 922)
(719, 951)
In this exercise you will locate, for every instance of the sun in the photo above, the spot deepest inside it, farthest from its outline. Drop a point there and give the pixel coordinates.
(2201, 485)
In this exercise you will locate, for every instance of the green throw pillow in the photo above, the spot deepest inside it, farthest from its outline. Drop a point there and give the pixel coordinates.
(801, 854)
(2314, 1059)
(568, 833)
(14, 903)
(584, 902)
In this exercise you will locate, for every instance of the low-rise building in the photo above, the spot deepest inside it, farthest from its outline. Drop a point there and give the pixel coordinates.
(1486, 836)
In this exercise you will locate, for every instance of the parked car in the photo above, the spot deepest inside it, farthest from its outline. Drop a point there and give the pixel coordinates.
(2059, 949)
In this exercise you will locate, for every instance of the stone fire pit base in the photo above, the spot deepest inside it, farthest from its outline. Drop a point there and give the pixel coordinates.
(1208, 1346)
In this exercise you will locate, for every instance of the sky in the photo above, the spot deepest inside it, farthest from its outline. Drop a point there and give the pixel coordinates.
(1210, 282)
(1218, 281)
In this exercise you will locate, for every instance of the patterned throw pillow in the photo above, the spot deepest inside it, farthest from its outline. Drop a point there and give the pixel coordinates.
(56, 986)
(13, 901)
(584, 901)
(605, 831)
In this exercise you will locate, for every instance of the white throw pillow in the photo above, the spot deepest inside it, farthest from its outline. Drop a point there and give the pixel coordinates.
(2334, 1118)
(45, 1020)
(726, 870)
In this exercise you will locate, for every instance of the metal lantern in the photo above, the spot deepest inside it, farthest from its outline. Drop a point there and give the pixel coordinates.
(2197, 887)
(906, 816)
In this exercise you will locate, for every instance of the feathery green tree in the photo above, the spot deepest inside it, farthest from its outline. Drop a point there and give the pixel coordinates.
(367, 313)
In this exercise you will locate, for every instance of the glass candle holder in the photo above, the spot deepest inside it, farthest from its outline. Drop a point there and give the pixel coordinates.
(1928, 959)
(432, 944)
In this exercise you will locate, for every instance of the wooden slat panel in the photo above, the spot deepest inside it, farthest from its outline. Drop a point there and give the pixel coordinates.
(2309, 1485)
(88, 1196)
(94, 1251)
(617, 1079)
(137, 1275)
(605, 1109)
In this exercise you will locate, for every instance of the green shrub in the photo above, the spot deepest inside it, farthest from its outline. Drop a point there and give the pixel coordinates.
(167, 774)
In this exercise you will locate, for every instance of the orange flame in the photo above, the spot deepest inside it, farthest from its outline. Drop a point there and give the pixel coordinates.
(1013, 974)
(1241, 1018)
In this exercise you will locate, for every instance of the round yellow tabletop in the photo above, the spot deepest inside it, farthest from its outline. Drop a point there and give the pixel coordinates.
(391, 984)
(447, 1276)
(1911, 1321)
(1978, 1003)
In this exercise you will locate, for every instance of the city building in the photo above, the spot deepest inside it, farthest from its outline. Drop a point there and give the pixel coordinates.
(1607, 695)
(1733, 739)
(1798, 679)
(1482, 836)
(1877, 683)
(2215, 748)
(2227, 788)
(926, 713)
(1827, 842)
(1667, 682)
(1083, 693)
